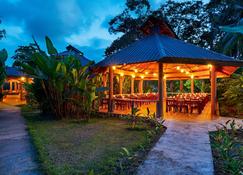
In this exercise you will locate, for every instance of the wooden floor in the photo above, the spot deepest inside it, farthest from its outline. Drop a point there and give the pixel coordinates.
(181, 116)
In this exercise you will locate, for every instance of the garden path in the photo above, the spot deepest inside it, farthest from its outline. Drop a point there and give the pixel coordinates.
(16, 152)
(184, 149)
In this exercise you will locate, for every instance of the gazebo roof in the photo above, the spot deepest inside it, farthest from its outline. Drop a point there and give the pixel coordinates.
(159, 47)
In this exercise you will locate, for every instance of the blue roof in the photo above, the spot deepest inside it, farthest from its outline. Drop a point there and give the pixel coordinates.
(14, 72)
(72, 51)
(158, 47)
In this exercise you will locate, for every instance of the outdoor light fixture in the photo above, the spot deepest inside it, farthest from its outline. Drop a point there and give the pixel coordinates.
(142, 77)
(122, 74)
(133, 76)
(182, 70)
(177, 67)
(135, 70)
(23, 78)
(210, 66)
(164, 76)
(146, 73)
(187, 72)
(114, 67)
(154, 74)
(192, 76)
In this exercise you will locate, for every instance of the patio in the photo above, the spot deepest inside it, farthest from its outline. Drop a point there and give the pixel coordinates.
(162, 57)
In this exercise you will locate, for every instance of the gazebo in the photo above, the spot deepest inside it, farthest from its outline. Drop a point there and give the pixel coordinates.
(159, 55)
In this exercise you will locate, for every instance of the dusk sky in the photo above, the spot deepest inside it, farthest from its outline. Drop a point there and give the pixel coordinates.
(81, 23)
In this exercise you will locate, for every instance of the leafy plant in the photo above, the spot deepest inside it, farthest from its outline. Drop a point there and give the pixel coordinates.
(230, 90)
(68, 87)
(135, 114)
(227, 147)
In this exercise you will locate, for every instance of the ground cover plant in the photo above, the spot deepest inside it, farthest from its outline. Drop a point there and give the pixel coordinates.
(227, 144)
(98, 146)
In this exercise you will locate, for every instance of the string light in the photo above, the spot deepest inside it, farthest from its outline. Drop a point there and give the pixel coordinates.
(164, 76)
(177, 67)
(182, 70)
(154, 74)
(135, 70)
(133, 76)
(122, 74)
(192, 76)
(187, 72)
(114, 67)
(146, 73)
(142, 77)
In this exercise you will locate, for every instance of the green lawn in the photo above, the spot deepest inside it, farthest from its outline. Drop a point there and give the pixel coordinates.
(69, 147)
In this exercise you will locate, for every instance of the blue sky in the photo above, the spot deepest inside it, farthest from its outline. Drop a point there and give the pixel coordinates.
(81, 23)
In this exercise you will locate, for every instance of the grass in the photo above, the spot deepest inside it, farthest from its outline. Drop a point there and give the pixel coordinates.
(73, 147)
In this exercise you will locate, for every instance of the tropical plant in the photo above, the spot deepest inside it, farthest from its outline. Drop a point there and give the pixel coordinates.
(231, 93)
(134, 114)
(228, 148)
(68, 86)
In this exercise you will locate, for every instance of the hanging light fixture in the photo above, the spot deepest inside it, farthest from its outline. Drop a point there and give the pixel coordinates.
(135, 70)
(133, 76)
(146, 72)
(178, 67)
(114, 67)
(122, 74)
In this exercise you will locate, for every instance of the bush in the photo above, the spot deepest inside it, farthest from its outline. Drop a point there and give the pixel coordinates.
(228, 148)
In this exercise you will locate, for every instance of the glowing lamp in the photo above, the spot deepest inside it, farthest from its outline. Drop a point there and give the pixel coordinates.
(177, 67)
(114, 67)
(146, 73)
(135, 70)
(182, 70)
(133, 76)
(23, 78)
(122, 74)
(192, 76)
(142, 77)
(154, 74)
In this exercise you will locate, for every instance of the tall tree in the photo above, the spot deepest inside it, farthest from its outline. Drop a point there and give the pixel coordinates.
(128, 23)
(23, 54)
(188, 19)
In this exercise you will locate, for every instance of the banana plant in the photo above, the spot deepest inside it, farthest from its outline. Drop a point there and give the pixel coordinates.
(69, 87)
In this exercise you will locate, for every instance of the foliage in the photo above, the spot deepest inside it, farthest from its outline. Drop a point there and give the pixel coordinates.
(188, 19)
(227, 147)
(2, 32)
(224, 13)
(231, 92)
(23, 54)
(3, 58)
(69, 88)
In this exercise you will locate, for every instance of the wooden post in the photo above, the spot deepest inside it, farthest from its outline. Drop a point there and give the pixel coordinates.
(104, 82)
(140, 86)
(192, 85)
(11, 86)
(159, 106)
(110, 106)
(181, 85)
(132, 85)
(213, 91)
(164, 88)
(203, 85)
(121, 78)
